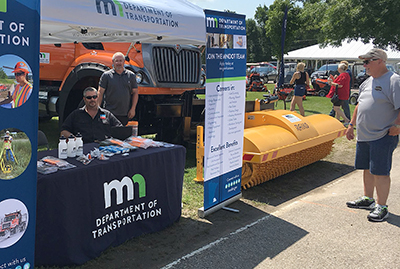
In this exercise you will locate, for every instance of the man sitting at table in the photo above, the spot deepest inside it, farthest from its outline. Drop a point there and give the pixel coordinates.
(93, 122)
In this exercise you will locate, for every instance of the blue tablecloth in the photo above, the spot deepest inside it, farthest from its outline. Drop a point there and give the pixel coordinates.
(84, 210)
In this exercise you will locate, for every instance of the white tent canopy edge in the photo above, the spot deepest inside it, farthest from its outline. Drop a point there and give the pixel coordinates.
(151, 21)
(347, 51)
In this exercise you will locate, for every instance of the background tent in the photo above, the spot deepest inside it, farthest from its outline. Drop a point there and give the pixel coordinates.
(347, 51)
(151, 21)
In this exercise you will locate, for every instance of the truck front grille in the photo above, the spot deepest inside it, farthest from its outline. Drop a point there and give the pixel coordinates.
(176, 66)
(6, 226)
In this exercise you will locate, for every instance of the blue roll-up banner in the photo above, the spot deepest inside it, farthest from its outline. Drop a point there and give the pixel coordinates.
(282, 61)
(19, 81)
(225, 105)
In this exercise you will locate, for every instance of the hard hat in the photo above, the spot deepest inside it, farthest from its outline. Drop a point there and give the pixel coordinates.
(7, 132)
(21, 67)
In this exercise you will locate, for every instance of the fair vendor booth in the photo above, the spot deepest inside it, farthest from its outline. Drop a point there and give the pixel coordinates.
(83, 211)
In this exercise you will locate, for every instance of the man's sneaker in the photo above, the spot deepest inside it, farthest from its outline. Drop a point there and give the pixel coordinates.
(362, 202)
(380, 213)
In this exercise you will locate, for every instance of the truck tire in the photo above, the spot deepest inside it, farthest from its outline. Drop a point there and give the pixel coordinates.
(22, 227)
(82, 76)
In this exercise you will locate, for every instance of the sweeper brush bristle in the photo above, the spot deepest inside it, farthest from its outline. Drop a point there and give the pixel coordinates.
(254, 173)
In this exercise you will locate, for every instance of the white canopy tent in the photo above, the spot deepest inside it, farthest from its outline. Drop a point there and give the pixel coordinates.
(347, 51)
(151, 21)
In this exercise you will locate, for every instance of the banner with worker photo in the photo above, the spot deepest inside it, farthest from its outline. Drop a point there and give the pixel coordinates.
(225, 105)
(19, 81)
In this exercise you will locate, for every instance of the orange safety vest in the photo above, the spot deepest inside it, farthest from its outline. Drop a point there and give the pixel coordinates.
(21, 94)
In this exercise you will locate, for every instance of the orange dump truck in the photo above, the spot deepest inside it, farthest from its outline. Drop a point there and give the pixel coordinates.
(167, 77)
(13, 223)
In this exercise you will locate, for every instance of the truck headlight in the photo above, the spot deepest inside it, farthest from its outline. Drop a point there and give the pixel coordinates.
(202, 80)
(139, 78)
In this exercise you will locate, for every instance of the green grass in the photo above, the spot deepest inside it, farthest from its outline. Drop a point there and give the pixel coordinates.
(192, 196)
(6, 81)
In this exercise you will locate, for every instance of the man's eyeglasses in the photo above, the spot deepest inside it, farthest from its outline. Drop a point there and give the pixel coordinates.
(366, 62)
(91, 97)
(19, 74)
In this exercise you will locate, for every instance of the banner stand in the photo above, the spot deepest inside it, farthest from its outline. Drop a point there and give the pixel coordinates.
(203, 213)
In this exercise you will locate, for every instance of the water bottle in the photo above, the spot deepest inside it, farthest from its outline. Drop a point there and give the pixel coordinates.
(79, 145)
(71, 149)
(134, 125)
(62, 148)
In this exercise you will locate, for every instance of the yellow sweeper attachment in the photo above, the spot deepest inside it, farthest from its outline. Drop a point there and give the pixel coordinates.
(279, 141)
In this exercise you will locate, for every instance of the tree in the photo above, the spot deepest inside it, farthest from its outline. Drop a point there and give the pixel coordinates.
(3, 74)
(273, 25)
(258, 44)
(367, 20)
(309, 31)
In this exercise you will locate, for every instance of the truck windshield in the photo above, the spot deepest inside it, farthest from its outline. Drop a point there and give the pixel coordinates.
(9, 218)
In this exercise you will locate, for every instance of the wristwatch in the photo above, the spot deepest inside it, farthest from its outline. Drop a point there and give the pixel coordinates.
(397, 125)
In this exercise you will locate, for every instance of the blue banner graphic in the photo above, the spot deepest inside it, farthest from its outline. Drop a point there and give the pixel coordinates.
(225, 105)
(19, 80)
(282, 62)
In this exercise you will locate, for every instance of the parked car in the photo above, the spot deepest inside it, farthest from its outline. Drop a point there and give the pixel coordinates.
(267, 72)
(325, 70)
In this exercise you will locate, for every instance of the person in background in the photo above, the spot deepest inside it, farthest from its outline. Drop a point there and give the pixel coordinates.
(9, 136)
(377, 116)
(93, 122)
(119, 90)
(7, 147)
(341, 84)
(22, 90)
(300, 78)
(345, 106)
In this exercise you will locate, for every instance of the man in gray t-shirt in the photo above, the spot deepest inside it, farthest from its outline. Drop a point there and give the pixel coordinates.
(378, 127)
(119, 89)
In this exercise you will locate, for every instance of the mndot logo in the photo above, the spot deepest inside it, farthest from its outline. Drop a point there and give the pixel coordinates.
(3, 5)
(212, 22)
(118, 187)
(106, 4)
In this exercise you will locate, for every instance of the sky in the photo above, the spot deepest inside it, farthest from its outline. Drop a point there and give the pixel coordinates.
(8, 61)
(246, 7)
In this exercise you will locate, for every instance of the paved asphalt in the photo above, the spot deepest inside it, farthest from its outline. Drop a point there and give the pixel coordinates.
(314, 230)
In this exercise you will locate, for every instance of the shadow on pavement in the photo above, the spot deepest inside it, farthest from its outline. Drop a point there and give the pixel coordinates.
(237, 240)
(245, 248)
(218, 229)
(394, 219)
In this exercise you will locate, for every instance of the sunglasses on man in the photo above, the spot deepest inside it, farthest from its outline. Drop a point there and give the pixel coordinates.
(366, 62)
(19, 74)
(91, 97)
